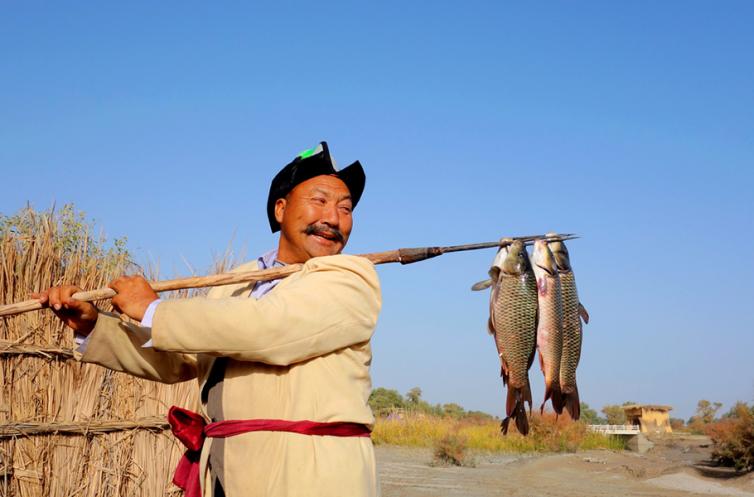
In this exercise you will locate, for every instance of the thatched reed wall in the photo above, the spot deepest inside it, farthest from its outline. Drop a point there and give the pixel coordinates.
(71, 429)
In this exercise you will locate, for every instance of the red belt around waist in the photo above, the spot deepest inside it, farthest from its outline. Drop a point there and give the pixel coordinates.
(191, 429)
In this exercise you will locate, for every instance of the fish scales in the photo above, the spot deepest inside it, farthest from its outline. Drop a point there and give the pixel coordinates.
(572, 333)
(515, 310)
(573, 313)
(513, 314)
(550, 323)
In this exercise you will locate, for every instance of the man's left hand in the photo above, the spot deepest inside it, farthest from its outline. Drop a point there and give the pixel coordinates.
(134, 296)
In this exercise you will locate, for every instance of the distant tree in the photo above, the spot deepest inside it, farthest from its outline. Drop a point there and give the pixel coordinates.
(705, 414)
(706, 410)
(677, 424)
(614, 414)
(453, 410)
(414, 395)
(477, 417)
(738, 409)
(382, 400)
(435, 410)
(590, 416)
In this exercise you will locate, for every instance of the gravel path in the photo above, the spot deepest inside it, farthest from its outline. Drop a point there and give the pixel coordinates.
(674, 467)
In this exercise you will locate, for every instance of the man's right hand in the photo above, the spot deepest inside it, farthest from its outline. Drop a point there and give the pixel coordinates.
(78, 315)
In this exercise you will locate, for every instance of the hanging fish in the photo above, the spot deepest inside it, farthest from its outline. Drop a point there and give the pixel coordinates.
(573, 313)
(513, 324)
(550, 325)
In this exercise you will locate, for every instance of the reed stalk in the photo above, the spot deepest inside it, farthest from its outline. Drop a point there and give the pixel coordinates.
(68, 428)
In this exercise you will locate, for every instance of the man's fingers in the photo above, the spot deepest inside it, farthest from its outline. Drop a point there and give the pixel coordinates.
(66, 296)
(117, 285)
(55, 301)
(118, 282)
(115, 305)
(76, 314)
(42, 297)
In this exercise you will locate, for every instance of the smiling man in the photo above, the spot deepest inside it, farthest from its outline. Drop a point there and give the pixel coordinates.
(283, 366)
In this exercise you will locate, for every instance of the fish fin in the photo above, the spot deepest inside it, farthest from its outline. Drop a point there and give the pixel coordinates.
(553, 393)
(522, 421)
(557, 399)
(491, 320)
(504, 372)
(511, 401)
(527, 396)
(548, 394)
(516, 409)
(583, 313)
(504, 426)
(481, 285)
(573, 404)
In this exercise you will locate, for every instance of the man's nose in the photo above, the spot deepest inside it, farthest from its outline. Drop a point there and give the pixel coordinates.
(329, 215)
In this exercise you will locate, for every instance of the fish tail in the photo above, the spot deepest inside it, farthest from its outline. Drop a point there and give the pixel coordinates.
(553, 392)
(558, 399)
(504, 425)
(572, 403)
(527, 396)
(515, 408)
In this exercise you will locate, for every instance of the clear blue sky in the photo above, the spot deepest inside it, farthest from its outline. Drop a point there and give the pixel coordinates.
(629, 124)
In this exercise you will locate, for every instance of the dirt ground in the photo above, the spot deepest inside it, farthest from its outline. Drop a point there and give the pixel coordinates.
(675, 466)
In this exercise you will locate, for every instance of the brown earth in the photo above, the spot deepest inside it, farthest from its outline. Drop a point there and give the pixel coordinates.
(675, 466)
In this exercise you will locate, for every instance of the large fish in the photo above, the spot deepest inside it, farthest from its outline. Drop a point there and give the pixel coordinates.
(573, 313)
(550, 325)
(513, 315)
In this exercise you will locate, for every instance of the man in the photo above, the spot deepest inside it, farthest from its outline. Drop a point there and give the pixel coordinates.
(292, 350)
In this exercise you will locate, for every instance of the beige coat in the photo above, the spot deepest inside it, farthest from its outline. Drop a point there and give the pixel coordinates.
(300, 353)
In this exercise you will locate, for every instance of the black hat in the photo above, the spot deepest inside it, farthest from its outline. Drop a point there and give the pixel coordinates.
(308, 164)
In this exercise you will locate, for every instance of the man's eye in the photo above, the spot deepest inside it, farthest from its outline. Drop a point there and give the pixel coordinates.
(345, 208)
(319, 200)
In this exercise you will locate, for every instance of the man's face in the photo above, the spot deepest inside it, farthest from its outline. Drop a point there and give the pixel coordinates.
(315, 219)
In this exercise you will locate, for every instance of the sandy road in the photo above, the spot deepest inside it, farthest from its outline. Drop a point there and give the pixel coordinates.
(674, 467)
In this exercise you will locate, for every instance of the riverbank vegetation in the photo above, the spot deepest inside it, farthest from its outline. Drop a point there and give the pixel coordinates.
(411, 421)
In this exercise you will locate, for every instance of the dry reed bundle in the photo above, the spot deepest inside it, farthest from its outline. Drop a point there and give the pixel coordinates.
(68, 428)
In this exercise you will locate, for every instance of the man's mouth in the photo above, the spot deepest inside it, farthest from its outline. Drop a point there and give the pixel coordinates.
(331, 234)
(326, 236)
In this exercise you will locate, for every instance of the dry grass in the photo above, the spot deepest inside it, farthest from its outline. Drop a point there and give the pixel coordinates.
(547, 434)
(40, 385)
(451, 450)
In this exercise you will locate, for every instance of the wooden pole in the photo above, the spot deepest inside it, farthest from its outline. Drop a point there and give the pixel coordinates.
(404, 256)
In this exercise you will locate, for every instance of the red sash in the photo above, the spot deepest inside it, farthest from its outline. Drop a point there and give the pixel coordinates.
(191, 429)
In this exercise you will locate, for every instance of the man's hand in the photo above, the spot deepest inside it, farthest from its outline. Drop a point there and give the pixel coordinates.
(134, 296)
(78, 315)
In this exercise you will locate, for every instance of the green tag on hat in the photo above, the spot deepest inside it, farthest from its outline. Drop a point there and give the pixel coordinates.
(310, 152)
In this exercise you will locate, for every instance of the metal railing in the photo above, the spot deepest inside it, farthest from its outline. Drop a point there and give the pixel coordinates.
(614, 429)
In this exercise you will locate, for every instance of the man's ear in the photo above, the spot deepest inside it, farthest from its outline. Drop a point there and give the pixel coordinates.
(280, 205)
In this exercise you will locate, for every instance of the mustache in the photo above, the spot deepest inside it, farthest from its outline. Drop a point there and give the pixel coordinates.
(323, 229)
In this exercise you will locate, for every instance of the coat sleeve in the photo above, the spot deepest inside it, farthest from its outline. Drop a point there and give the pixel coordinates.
(117, 345)
(332, 304)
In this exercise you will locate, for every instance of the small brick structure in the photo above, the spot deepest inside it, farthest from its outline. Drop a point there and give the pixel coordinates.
(650, 418)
